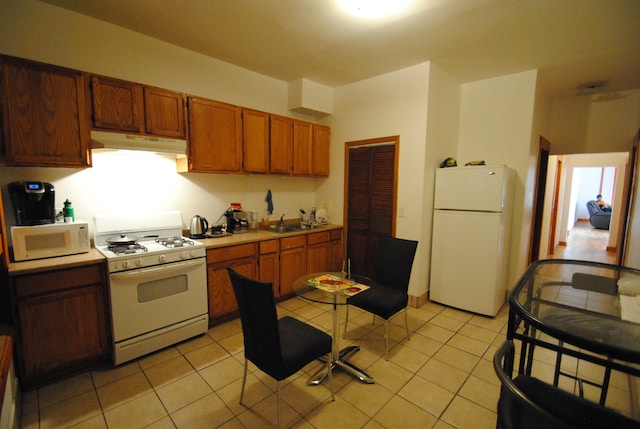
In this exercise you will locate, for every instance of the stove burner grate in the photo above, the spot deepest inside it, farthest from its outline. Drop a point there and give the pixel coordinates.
(126, 249)
(174, 241)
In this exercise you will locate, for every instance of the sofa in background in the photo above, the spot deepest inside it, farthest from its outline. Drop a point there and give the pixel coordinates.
(598, 217)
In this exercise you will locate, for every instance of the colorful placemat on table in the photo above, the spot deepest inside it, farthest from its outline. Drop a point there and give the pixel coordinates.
(335, 284)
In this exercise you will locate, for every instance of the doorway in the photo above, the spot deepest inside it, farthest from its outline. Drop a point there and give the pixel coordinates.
(370, 198)
(572, 181)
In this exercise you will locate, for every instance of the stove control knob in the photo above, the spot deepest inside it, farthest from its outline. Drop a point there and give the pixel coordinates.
(187, 255)
(139, 262)
(162, 258)
(125, 264)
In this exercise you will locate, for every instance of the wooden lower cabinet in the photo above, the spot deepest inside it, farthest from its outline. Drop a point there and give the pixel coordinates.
(293, 262)
(243, 259)
(336, 252)
(279, 261)
(61, 322)
(269, 264)
(318, 250)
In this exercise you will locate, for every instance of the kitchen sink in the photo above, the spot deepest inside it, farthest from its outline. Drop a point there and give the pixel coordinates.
(284, 229)
(291, 228)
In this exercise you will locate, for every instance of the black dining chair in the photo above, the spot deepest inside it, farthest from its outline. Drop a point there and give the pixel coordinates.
(393, 264)
(528, 403)
(278, 347)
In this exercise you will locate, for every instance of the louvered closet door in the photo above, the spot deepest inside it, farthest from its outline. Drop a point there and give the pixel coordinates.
(370, 203)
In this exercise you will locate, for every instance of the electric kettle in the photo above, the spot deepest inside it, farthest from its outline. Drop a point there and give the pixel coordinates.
(199, 227)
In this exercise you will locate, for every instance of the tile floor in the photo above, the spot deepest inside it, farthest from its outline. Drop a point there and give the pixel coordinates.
(441, 378)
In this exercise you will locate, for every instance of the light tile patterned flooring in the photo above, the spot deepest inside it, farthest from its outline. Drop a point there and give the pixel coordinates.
(442, 377)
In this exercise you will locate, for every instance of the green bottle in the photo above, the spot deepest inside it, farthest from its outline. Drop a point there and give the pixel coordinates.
(69, 215)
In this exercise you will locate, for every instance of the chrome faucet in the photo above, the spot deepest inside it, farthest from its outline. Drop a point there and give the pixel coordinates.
(282, 220)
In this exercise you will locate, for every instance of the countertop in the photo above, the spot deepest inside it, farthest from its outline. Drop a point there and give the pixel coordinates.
(93, 256)
(258, 235)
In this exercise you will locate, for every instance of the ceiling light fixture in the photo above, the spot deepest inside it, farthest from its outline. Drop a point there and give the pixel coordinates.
(374, 9)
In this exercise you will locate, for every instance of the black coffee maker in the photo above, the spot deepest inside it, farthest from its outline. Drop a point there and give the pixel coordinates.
(33, 202)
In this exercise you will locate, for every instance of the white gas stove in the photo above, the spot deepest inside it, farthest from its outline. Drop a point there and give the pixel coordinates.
(157, 281)
(143, 240)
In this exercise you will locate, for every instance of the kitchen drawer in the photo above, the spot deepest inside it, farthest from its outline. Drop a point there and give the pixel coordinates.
(293, 242)
(52, 281)
(269, 246)
(336, 234)
(318, 237)
(231, 252)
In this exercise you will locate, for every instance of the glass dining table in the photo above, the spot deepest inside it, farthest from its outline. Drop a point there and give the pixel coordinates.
(587, 310)
(333, 288)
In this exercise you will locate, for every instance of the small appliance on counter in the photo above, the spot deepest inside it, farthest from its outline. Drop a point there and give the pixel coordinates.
(237, 221)
(50, 240)
(199, 227)
(33, 202)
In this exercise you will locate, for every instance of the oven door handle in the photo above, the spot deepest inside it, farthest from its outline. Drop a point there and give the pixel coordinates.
(175, 267)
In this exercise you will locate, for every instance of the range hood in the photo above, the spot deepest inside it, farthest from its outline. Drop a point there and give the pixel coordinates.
(117, 141)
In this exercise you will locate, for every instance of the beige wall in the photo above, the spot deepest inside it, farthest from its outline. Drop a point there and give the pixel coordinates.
(496, 123)
(387, 105)
(580, 125)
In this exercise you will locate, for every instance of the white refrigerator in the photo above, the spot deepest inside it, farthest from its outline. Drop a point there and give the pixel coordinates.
(470, 238)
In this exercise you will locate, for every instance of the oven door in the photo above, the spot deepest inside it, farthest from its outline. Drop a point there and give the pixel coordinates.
(152, 298)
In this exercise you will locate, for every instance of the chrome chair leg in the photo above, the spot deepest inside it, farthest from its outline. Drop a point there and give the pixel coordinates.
(346, 320)
(244, 379)
(278, 393)
(406, 322)
(386, 339)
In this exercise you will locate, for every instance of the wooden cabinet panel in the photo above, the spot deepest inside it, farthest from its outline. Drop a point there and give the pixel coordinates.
(269, 264)
(130, 107)
(281, 144)
(164, 112)
(318, 257)
(117, 105)
(255, 138)
(53, 281)
(318, 252)
(336, 250)
(293, 242)
(215, 136)
(269, 246)
(320, 150)
(269, 270)
(293, 264)
(243, 259)
(230, 253)
(302, 141)
(61, 320)
(44, 116)
(59, 329)
(318, 237)
(222, 301)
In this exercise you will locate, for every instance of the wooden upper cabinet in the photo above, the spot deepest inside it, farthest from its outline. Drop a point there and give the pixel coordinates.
(320, 150)
(215, 136)
(302, 142)
(255, 139)
(134, 108)
(281, 144)
(44, 117)
(117, 105)
(164, 112)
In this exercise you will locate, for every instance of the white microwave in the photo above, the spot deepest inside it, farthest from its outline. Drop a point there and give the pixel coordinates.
(49, 240)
